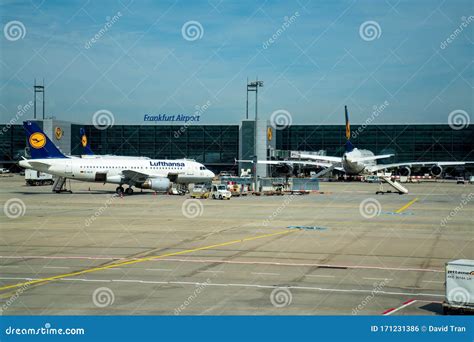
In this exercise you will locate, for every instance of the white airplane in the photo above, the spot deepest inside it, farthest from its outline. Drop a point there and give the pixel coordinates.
(154, 174)
(353, 162)
(362, 162)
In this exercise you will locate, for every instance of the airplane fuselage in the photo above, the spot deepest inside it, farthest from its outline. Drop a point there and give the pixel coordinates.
(350, 162)
(110, 170)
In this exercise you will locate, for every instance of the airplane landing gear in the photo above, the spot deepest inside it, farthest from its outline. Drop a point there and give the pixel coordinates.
(120, 190)
(129, 191)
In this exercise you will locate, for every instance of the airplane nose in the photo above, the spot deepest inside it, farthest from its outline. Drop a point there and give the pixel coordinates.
(211, 174)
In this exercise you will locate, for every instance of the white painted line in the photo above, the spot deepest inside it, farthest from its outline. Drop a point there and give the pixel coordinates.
(159, 269)
(88, 280)
(263, 273)
(59, 267)
(209, 271)
(391, 311)
(321, 289)
(387, 279)
(433, 281)
(220, 261)
(320, 275)
(9, 266)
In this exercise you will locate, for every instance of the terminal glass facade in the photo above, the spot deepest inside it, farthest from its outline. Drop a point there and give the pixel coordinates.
(408, 142)
(218, 145)
(213, 145)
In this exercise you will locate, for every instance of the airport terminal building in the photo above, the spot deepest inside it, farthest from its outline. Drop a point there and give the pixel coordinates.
(217, 146)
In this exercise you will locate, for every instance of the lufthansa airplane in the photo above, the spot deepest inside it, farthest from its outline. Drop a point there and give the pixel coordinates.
(356, 161)
(154, 174)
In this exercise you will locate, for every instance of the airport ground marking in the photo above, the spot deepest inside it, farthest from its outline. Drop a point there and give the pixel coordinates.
(267, 286)
(255, 262)
(135, 261)
(406, 206)
(404, 305)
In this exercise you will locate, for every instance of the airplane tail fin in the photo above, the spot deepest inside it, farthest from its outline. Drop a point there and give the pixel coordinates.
(348, 146)
(85, 143)
(40, 145)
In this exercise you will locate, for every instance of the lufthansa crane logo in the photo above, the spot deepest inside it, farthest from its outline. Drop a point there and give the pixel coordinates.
(58, 132)
(37, 140)
(269, 133)
(84, 141)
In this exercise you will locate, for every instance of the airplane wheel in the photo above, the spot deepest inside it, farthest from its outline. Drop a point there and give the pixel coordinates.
(129, 191)
(119, 190)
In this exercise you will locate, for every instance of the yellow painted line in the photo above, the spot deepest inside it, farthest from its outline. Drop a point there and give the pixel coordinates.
(406, 206)
(130, 262)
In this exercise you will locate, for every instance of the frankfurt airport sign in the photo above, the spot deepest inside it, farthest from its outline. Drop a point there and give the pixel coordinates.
(181, 118)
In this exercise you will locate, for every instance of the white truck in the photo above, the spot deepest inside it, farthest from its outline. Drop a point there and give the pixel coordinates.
(459, 286)
(33, 177)
(219, 191)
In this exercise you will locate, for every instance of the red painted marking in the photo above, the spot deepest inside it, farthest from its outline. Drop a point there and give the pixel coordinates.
(404, 305)
(387, 311)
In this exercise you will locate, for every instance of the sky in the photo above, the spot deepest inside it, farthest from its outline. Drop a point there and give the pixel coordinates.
(133, 58)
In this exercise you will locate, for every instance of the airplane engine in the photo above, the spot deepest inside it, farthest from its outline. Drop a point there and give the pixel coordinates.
(405, 171)
(436, 170)
(157, 184)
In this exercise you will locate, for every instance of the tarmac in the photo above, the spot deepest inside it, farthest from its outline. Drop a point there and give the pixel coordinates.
(348, 251)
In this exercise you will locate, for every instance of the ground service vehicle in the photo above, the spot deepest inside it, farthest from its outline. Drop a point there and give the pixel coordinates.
(33, 177)
(459, 286)
(220, 192)
(200, 191)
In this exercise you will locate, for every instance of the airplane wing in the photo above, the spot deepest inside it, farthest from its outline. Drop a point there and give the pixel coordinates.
(380, 156)
(323, 158)
(287, 162)
(136, 176)
(379, 167)
(37, 164)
